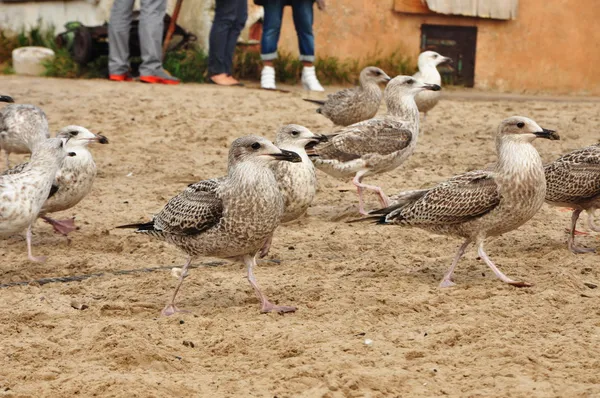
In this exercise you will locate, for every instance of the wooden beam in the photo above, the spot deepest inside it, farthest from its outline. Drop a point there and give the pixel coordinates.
(411, 7)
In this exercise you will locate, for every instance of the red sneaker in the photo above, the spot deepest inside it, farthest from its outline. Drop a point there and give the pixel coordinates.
(125, 77)
(159, 79)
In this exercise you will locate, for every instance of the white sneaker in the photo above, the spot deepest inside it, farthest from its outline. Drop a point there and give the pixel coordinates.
(309, 79)
(267, 78)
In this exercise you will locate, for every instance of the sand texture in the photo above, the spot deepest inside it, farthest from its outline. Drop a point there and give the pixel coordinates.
(103, 336)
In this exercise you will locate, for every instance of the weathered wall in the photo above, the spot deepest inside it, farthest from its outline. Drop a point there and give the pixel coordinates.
(553, 45)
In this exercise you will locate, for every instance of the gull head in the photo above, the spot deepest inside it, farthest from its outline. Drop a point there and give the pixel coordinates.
(296, 136)
(373, 74)
(52, 149)
(78, 136)
(407, 86)
(523, 129)
(431, 58)
(259, 150)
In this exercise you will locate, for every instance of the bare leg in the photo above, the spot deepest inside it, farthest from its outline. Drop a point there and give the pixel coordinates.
(40, 259)
(63, 227)
(593, 225)
(171, 308)
(571, 241)
(383, 199)
(447, 281)
(266, 246)
(499, 273)
(266, 305)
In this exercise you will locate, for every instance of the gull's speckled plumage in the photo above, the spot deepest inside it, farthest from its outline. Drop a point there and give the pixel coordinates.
(428, 73)
(353, 105)
(483, 203)
(573, 181)
(22, 127)
(376, 145)
(23, 194)
(297, 181)
(75, 178)
(227, 217)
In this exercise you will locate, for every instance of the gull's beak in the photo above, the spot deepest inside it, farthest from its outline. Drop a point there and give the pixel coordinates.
(447, 60)
(315, 140)
(101, 139)
(6, 98)
(548, 134)
(432, 87)
(386, 78)
(288, 156)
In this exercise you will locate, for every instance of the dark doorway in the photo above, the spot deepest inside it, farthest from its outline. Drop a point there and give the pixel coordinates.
(456, 42)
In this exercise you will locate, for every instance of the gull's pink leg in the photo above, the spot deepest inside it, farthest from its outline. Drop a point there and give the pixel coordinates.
(447, 281)
(171, 308)
(266, 246)
(383, 198)
(591, 222)
(499, 273)
(63, 227)
(266, 305)
(40, 259)
(571, 240)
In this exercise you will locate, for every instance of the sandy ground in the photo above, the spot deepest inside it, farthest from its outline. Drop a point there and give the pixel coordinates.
(351, 282)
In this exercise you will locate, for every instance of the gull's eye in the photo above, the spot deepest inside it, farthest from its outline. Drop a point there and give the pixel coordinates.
(61, 144)
(255, 146)
(73, 133)
(520, 125)
(295, 133)
(410, 81)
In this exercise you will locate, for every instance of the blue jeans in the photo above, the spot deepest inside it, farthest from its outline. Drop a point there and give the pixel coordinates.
(303, 20)
(230, 18)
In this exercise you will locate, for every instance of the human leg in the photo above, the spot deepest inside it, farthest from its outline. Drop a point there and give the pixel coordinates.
(121, 14)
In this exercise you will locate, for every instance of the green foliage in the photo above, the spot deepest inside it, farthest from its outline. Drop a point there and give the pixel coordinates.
(187, 65)
(62, 65)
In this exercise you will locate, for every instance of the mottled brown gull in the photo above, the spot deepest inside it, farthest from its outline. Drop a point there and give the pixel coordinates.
(353, 105)
(376, 145)
(428, 73)
(228, 217)
(23, 194)
(297, 181)
(573, 181)
(485, 203)
(75, 178)
(21, 127)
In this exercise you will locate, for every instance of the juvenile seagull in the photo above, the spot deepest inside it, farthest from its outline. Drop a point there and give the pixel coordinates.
(483, 203)
(298, 181)
(428, 73)
(376, 145)
(353, 105)
(75, 178)
(21, 127)
(23, 194)
(228, 217)
(6, 98)
(573, 180)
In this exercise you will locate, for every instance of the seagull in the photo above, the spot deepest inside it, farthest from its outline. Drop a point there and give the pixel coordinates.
(484, 203)
(573, 181)
(376, 145)
(75, 178)
(23, 194)
(296, 181)
(6, 98)
(21, 127)
(353, 105)
(229, 217)
(428, 62)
